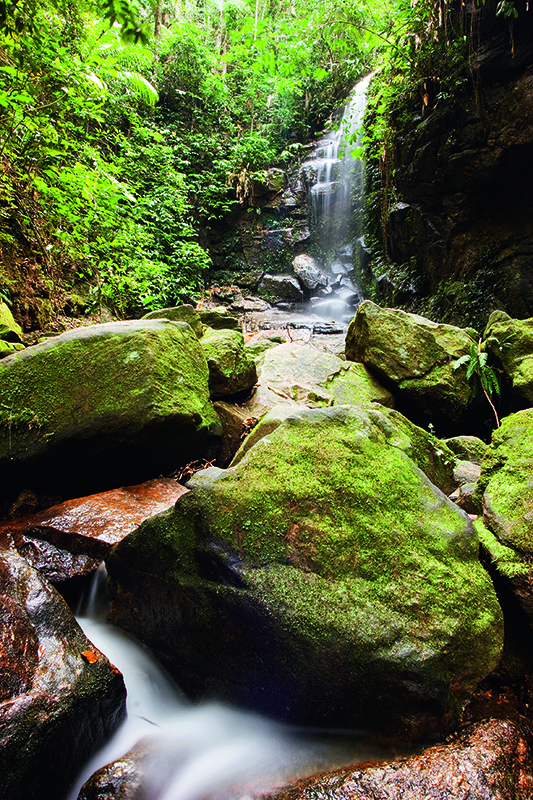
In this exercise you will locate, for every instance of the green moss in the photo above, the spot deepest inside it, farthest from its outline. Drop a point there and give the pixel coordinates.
(10, 331)
(113, 375)
(510, 342)
(506, 482)
(231, 367)
(183, 313)
(351, 560)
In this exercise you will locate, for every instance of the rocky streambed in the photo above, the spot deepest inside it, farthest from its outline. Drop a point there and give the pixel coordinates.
(327, 559)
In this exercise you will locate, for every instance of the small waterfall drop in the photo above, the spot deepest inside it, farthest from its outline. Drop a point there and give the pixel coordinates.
(208, 750)
(335, 176)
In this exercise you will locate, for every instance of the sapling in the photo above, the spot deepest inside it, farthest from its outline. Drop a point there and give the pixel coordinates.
(476, 365)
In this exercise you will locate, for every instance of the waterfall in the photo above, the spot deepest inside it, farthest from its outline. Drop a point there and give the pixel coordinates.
(206, 750)
(335, 177)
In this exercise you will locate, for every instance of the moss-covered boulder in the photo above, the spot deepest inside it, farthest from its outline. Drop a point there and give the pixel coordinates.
(414, 357)
(510, 341)
(467, 448)
(218, 318)
(506, 488)
(10, 331)
(184, 313)
(300, 374)
(323, 579)
(231, 368)
(104, 405)
(429, 454)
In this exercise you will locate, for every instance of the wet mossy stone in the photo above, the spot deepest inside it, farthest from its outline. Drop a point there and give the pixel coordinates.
(510, 341)
(258, 349)
(184, 313)
(8, 348)
(10, 331)
(428, 453)
(467, 448)
(231, 367)
(323, 580)
(506, 486)
(219, 319)
(104, 406)
(414, 357)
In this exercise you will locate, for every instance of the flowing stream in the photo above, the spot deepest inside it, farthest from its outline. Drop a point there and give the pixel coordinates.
(207, 750)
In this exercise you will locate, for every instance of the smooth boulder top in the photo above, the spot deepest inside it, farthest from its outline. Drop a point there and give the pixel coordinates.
(323, 579)
(300, 374)
(71, 539)
(105, 405)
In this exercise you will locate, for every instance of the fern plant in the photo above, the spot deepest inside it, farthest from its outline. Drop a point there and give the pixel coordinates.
(478, 368)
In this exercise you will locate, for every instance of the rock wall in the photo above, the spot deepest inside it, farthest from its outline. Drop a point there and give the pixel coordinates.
(459, 236)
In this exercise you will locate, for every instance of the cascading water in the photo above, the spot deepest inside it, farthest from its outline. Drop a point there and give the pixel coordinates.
(198, 752)
(335, 176)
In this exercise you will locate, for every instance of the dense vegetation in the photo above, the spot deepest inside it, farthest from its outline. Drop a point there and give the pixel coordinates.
(122, 143)
(128, 130)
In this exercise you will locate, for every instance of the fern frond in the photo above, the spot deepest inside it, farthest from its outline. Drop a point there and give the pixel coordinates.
(139, 85)
(460, 361)
(471, 368)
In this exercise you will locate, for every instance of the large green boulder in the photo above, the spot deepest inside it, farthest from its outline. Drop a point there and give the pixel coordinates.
(300, 374)
(506, 489)
(510, 341)
(231, 368)
(218, 318)
(10, 331)
(323, 579)
(414, 357)
(430, 454)
(103, 406)
(184, 313)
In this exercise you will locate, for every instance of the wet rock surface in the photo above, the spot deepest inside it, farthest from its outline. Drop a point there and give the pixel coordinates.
(278, 573)
(71, 539)
(490, 760)
(120, 780)
(60, 698)
(281, 287)
(308, 272)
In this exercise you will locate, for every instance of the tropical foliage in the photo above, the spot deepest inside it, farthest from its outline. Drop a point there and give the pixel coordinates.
(127, 130)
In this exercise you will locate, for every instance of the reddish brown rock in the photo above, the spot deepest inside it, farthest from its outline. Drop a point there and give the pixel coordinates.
(72, 538)
(490, 760)
(60, 698)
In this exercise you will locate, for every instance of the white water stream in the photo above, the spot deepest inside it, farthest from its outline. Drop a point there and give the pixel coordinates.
(207, 750)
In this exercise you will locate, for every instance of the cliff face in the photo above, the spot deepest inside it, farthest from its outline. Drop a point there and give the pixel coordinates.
(461, 235)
